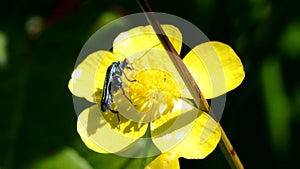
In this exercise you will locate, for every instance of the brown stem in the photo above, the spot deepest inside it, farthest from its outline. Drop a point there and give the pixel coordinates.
(201, 102)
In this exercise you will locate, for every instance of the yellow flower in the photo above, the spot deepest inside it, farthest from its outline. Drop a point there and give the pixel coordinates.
(154, 95)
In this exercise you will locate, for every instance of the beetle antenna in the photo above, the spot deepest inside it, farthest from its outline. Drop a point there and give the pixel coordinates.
(148, 51)
(144, 54)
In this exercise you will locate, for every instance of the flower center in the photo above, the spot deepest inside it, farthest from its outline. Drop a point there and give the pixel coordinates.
(154, 92)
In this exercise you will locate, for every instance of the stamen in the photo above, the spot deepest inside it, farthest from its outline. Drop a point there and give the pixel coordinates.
(154, 89)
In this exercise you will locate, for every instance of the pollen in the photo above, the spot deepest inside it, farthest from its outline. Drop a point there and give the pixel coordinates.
(154, 91)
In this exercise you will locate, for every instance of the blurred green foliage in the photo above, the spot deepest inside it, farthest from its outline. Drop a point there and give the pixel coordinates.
(39, 44)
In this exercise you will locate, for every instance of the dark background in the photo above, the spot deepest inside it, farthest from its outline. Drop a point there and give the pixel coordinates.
(37, 119)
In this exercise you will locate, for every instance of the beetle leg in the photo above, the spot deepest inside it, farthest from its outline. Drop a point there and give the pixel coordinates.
(126, 75)
(119, 121)
(123, 91)
(118, 116)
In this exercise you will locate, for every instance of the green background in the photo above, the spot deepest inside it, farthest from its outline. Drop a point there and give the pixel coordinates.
(37, 118)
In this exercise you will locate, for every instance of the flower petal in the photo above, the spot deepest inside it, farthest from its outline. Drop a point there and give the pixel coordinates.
(88, 78)
(99, 130)
(142, 38)
(215, 67)
(202, 139)
(190, 134)
(170, 129)
(88, 142)
(164, 161)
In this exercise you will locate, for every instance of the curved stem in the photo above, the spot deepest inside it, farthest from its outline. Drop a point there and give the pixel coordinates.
(201, 102)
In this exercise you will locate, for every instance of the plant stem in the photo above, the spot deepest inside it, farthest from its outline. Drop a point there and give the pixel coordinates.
(201, 102)
(229, 152)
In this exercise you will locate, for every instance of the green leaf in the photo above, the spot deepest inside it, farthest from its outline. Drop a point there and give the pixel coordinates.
(66, 158)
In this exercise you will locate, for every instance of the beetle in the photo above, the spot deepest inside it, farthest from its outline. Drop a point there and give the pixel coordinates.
(113, 82)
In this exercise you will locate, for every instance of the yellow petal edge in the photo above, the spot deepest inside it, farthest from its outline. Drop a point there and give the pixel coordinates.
(164, 161)
(89, 76)
(186, 132)
(203, 138)
(96, 131)
(143, 38)
(215, 67)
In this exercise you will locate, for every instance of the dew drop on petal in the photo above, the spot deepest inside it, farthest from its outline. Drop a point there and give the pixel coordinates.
(76, 74)
(167, 137)
(180, 135)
